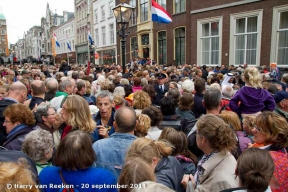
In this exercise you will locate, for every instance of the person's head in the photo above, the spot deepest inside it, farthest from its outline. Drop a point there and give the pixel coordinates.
(51, 84)
(167, 106)
(128, 90)
(17, 173)
(37, 76)
(17, 114)
(45, 113)
(212, 99)
(213, 134)
(125, 120)
(161, 77)
(135, 171)
(252, 77)
(232, 119)
(150, 90)
(18, 91)
(186, 102)
(199, 85)
(271, 128)
(198, 73)
(76, 113)
(105, 103)
(188, 86)
(151, 186)
(141, 100)
(248, 124)
(227, 91)
(281, 100)
(173, 85)
(4, 91)
(179, 140)
(255, 168)
(155, 115)
(119, 91)
(74, 145)
(144, 123)
(150, 151)
(38, 145)
(68, 86)
(81, 87)
(58, 121)
(137, 81)
(37, 88)
(175, 93)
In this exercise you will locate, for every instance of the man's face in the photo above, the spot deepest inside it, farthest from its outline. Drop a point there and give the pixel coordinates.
(161, 81)
(200, 73)
(72, 88)
(105, 106)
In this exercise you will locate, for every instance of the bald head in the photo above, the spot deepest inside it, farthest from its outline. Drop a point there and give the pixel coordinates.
(51, 84)
(125, 119)
(37, 88)
(18, 91)
(18, 86)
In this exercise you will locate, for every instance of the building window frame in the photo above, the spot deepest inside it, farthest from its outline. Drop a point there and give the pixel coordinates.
(96, 16)
(275, 35)
(111, 5)
(162, 3)
(176, 47)
(103, 29)
(233, 35)
(111, 30)
(133, 43)
(179, 8)
(102, 12)
(162, 48)
(97, 37)
(144, 14)
(200, 23)
(133, 20)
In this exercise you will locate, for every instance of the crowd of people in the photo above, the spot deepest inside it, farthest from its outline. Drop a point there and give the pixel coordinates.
(149, 128)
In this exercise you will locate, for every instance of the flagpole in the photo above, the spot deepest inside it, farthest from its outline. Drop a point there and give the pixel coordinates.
(67, 45)
(151, 31)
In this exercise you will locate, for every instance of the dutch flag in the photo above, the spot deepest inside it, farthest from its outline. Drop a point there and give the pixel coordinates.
(56, 41)
(90, 38)
(159, 14)
(69, 46)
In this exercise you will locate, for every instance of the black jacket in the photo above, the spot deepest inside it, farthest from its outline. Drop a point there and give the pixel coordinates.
(169, 173)
(3, 104)
(159, 94)
(49, 95)
(34, 101)
(198, 108)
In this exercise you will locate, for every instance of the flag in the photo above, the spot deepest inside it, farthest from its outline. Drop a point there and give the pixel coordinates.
(90, 38)
(159, 14)
(69, 46)
(56, 41)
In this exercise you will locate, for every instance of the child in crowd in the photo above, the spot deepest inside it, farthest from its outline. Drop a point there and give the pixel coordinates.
(253, 98)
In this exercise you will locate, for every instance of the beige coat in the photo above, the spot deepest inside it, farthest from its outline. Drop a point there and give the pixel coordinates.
(219, 173)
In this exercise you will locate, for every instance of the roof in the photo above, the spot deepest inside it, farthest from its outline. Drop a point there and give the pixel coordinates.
(2, 17)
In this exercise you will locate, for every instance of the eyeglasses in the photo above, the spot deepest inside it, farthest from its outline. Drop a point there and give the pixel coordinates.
(258, 129)
(6, 121)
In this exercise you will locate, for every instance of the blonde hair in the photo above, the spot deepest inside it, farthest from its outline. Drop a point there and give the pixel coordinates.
(88, 87)
(119, 100)
(141, 100)
(231, 118)
(249, 121)
(143, 125)
(79, 114)
(16, 173)
(253, 77)
(146, 149)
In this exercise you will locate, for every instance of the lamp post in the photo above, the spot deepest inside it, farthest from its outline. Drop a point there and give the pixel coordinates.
(122, 13)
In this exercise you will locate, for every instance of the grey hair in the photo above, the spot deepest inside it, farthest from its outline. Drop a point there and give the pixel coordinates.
(64, 84)
(212, 99)
(119, 91)
(227, 91)
(215, 86)
(103, 94)
(124, 82)
(37, 143)
(42, 110)
(51, 84)
(144, 82)
(188, 85)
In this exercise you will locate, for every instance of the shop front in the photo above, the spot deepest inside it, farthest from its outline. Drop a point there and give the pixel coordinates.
(106, 56)
(65, 56)
(82, 54)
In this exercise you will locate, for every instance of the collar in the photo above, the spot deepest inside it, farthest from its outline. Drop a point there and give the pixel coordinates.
(11, 99)
(16, 129)
(126, 135)
(281, 112)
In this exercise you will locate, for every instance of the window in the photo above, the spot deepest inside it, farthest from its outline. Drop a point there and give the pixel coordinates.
(103, 36)
(162, 48)
(96, 37)
(134, 47)
(96, 15)
(179, 6)
(162, 3)
(145, 39)
(111, 5)
(133, 20)
(246, 31)
(3, 32)
(279, 37)
(209, 41)
(102, 13)
(180, 45)
(144, 10)
(111, 26)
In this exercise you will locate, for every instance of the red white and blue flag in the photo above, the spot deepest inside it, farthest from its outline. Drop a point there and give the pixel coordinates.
(56, 41)
(159, 14)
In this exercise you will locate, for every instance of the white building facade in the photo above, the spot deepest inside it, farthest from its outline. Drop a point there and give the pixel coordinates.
(104, 31)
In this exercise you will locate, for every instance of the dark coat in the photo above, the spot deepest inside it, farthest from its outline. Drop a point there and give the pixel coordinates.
(14, 142)
(49, 95)
(198, 109)
(169, 173)
(159, 94)
(34, 101)
(3, 104)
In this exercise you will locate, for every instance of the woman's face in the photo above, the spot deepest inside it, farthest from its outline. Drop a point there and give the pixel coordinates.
(50, 118)
(259, 136)
(64, 113)
(171, 86)
(58, 121)
(3, 93)
(9, 125)
(37, 78)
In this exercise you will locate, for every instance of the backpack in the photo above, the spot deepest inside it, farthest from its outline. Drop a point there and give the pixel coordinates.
(281, 169)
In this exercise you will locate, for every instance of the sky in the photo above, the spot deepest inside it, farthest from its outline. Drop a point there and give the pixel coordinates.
(21, 15)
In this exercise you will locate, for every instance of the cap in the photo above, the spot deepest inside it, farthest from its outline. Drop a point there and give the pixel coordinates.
(106, 70)
(186, 69)
(230, 74)
(173, 77)
(165, 68)
(280, 95)
(161, 76)
(130, 75)
(98, 69)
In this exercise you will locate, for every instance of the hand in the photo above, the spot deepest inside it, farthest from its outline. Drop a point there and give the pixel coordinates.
(102, 131)
(27, 102)
(186, 178)
(250, 145)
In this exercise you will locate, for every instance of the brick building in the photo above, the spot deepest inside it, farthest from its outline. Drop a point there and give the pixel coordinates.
(3, 37)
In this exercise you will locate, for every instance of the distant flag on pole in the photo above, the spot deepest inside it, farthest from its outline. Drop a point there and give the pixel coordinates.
(68, 44)
(90, 38)
(159, 14)
(56, 41)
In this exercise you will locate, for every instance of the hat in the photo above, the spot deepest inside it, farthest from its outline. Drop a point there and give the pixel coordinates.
(130, 75)
(161, 76)
(186, 69)
(25, 72)
(280, 95)
(217, 66)
(98, 69)
(165, 68)
(106, 70)
(130, 97)
(174, 77)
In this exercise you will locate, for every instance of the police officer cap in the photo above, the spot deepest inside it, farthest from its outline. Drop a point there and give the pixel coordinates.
(161, 76)
(106, 70)
(99, 69)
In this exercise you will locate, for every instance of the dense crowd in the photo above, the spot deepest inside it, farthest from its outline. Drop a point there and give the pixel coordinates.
(148, 128)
